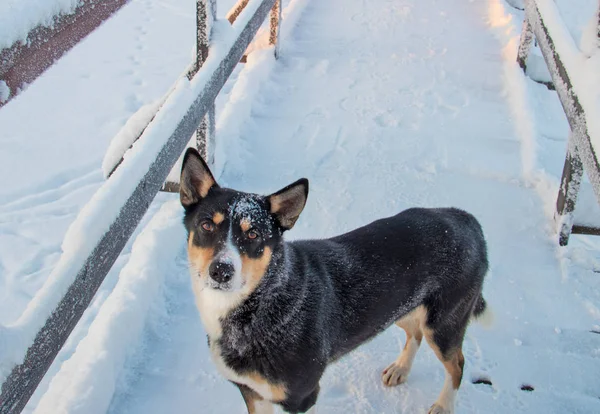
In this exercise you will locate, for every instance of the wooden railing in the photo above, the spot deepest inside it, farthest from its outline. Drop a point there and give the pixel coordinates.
(207, 76)
(581, 153)
(23, 62)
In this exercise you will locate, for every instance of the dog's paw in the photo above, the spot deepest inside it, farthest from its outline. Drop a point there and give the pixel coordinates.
(438, 409)
(395, 374)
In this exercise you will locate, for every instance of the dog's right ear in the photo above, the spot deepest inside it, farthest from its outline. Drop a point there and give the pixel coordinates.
(196, 179)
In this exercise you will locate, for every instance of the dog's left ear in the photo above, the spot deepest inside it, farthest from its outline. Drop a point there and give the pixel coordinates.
(196, 179)
(288, 203)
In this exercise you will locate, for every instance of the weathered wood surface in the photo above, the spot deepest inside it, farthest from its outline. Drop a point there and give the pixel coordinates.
(22, 63)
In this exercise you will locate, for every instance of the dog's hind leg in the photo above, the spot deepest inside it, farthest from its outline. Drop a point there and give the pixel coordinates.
(398, 371)
(254, 402)
(447, 345)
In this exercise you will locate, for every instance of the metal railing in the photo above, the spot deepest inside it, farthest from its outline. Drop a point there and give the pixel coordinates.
(207, 79)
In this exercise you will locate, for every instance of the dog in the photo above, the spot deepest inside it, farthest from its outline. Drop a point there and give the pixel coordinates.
(277, 313)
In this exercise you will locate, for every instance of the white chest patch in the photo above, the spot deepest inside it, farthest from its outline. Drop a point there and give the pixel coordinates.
(214, 305)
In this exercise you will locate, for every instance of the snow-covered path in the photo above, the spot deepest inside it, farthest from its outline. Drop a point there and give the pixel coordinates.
(383, 105)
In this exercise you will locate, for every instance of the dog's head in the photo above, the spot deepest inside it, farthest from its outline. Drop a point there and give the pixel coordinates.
(233, 236)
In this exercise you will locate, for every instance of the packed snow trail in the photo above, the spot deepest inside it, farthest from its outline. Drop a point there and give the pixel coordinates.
(385, 105)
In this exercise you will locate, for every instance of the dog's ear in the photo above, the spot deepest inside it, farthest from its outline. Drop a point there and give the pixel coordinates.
(196, 179)
(288, 203)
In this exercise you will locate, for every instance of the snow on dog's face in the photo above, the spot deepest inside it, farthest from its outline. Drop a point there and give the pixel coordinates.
(232, 235)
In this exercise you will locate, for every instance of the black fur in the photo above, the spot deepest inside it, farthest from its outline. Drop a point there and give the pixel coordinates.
(338, 293)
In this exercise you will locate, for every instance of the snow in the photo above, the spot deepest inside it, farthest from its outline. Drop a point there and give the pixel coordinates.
(590, 40)
(4, 91)
(576, 14)
(519, 4)
(19, 17)
(383, 106)
(120, 323)
(125, 138)
(587, 211)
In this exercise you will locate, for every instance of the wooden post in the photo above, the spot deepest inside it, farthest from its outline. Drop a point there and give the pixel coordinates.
(236, 10)
(206, 14)
(567, 194)
(205, 136)
(275, 27)
(525, 44)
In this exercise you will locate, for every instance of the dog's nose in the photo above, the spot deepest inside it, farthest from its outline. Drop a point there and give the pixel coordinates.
(221, 272)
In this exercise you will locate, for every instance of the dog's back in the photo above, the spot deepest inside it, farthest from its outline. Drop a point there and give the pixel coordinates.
(372, 276)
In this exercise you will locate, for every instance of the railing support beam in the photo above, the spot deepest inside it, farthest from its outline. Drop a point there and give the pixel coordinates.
(275, 27)
(206, 14)
(567, 194)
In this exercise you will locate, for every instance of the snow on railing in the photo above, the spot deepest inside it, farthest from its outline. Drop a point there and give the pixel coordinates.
(105, 224)
(576, 77)
(133, 129)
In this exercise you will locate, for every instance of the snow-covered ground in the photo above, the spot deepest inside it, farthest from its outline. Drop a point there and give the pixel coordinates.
(383, 105)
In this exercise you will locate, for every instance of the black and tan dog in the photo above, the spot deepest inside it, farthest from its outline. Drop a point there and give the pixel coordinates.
(277, 313)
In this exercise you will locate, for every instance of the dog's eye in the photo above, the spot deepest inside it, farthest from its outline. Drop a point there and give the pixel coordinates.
(252, 234)
(208, 226)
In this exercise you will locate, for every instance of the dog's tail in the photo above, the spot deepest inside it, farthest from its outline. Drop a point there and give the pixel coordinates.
(482, 313)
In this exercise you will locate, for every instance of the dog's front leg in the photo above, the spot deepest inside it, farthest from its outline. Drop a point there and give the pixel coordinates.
(254, 402)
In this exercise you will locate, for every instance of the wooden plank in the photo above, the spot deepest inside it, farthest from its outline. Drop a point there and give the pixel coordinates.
(22, 63)
(579, 229)
(24, 378)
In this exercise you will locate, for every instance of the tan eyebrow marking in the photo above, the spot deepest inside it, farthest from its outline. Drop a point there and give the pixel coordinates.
(218, 218)
(245, 225)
